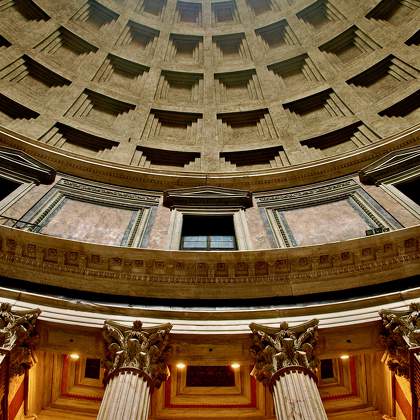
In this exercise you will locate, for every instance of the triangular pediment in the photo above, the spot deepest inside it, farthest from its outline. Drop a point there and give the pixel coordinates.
(392, 163)
(25, 166)
(207, 196)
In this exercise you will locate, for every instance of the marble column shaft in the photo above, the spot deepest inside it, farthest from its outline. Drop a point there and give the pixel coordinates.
(127, 397)
(296, 397)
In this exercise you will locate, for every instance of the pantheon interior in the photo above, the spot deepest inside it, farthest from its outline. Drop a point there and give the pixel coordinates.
(209, 209)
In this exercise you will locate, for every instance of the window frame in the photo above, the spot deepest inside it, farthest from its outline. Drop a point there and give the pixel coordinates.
(242, 235)
(208, 236)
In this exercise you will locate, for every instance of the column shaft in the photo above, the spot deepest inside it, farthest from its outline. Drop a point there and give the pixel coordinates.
(296, 397)
(127, 397)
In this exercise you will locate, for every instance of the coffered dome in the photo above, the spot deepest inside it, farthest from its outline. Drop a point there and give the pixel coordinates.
(169, 87)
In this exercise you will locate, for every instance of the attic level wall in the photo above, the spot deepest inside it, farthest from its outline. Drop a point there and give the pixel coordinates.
(81, 210)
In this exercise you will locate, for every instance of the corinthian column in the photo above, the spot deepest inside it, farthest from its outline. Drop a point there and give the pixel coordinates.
(136, 363)
(401, 332)
(17, 336)
(283, 361)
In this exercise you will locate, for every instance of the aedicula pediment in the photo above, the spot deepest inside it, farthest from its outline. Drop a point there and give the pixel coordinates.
(25, 167)
(207, 197)
(390, 164)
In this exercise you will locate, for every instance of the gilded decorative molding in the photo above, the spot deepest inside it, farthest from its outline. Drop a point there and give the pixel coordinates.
(285, 347)
(401, 331)
(17, 337)
(138, 349)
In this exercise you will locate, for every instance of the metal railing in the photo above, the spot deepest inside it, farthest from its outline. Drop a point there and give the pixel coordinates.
(18, 223)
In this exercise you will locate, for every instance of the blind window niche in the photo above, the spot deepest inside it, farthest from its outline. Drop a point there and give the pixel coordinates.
(208, 233)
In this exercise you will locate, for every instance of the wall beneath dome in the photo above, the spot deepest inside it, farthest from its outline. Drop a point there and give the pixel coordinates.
(87, 211)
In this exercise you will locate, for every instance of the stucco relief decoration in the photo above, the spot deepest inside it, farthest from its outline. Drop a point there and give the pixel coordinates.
(401, 331)
(277, 348)
(18, 336)
(138, 348)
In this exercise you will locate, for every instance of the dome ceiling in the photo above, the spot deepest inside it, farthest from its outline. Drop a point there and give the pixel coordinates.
(209, 86)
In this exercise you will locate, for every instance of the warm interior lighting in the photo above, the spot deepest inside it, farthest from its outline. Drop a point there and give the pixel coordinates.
(74, 356)
(344, 357)
(180, 365)
(235, 365)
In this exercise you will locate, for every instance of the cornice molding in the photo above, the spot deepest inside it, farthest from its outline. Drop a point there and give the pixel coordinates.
(206, 197)
(203, 275)
(391, 165)
(25, 168)
(253, 181)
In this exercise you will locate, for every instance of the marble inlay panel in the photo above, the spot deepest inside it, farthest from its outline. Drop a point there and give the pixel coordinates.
(323, 223)
(88, 222)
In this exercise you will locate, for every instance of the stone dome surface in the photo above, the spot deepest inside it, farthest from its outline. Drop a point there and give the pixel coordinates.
(246, 93)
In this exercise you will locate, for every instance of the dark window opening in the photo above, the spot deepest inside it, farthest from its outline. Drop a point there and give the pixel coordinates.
(327, 369)
(210, 376)
(92, 368)
(209, 233)
(7, 187)
(411, 189)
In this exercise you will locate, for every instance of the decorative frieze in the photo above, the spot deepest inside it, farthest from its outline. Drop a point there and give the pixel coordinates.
(143, 272)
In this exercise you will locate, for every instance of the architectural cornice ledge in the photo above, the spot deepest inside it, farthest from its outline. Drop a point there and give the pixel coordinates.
(266, 273)
(258, 180)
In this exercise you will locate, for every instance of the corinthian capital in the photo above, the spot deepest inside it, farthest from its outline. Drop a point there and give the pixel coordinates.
(17, 336)
(278, 348)
(401, 331)
(138, 348)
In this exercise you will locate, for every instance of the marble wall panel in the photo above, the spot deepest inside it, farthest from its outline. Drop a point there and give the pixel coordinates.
(390, 204)
(159, 238)
(257, 230)
(88, 222)
(27, 200)
(324, 223)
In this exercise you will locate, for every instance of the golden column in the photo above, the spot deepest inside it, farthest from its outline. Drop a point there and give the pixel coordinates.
(136, 362)
(284, 361)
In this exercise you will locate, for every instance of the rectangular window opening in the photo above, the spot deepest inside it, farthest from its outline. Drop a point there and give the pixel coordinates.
(210, 376)
(208, 233)
(7, 187)
(411, 189)
(327, 369)
(92, 368)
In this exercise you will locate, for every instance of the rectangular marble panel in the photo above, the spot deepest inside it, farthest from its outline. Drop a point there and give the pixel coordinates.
(330, 222)
(88, 222)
